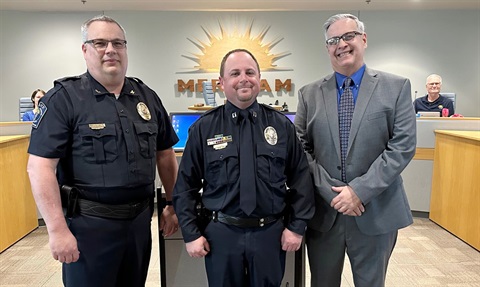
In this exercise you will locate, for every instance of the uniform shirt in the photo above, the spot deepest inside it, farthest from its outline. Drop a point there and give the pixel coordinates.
(422, 104)
(211, 161)
(103, 143)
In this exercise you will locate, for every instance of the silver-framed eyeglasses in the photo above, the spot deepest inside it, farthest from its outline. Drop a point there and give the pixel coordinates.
(102, 44)
(345, 37)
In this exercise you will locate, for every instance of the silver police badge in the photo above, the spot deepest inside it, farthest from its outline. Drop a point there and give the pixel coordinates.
(270, 135)
(143, 111)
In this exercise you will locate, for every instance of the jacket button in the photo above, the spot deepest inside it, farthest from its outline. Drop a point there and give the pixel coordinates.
(339, 167)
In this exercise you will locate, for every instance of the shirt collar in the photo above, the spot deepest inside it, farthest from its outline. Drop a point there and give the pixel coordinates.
(356, 78)
(99, 90)
(233, 111)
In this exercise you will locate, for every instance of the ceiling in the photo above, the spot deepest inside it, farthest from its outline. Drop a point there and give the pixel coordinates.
(229, 5)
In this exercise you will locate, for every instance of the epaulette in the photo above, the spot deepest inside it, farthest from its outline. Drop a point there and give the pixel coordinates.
(53, 90)
(135, 79)
(212, 110)
(269, 107)
(70, 78)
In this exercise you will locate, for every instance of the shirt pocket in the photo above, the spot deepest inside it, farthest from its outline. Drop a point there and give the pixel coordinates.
(98, 145)
(147, 138)
(271, 163)
(222, 166)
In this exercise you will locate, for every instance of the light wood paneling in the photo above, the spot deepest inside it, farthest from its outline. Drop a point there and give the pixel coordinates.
(455, 184)
(18, 214)
(424, 153)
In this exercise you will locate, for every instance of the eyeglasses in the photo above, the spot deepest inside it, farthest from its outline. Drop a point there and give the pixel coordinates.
(102, 44)
(434, 84)
(345, 37)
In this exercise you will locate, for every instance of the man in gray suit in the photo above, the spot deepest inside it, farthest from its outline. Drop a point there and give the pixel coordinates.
(360, 204)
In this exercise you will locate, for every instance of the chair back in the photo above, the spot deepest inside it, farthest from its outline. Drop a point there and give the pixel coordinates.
(452, 97)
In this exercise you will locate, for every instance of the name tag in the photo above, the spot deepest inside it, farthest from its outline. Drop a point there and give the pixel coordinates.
(96, 126)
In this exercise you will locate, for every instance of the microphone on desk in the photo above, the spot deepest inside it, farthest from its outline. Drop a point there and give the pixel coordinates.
(415, 94)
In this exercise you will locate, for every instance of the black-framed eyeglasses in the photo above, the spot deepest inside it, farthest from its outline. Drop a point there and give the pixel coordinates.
(102, 44)
(345, 37)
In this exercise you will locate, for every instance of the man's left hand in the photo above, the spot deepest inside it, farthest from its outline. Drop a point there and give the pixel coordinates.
(168, 221)
(347, 201)
(291, 241)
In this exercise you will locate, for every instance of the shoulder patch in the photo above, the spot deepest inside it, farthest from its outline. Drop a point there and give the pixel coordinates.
(42, 109)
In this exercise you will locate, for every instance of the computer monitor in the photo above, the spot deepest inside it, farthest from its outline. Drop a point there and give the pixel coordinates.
(290, 115)
(181, 122)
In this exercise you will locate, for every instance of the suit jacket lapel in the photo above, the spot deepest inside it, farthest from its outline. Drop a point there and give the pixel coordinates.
(367, 86)
(329, 92)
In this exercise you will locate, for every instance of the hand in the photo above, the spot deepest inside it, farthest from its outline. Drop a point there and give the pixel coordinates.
(168, 221)
(63, 246)
(347, 201)
(198, 248)
(291, 241)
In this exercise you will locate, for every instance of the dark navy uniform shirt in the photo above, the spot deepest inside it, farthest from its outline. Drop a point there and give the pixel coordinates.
(211, 161)
(103, 143)
(422, 104)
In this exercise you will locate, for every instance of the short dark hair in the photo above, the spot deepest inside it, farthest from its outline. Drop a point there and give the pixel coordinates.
(222, 65)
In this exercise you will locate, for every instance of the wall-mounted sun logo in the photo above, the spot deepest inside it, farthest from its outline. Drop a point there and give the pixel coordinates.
(218, 45)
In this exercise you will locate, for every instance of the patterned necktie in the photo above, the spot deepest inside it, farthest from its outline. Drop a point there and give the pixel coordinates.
(247, 166)
(345, 114)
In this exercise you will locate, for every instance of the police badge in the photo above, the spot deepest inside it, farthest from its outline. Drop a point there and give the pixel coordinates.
(143, 111)
(270, 135)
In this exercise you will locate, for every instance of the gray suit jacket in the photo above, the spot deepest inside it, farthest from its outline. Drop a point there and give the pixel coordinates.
(381, 143)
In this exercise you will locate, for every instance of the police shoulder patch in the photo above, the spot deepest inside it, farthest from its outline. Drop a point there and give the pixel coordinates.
(42, 109)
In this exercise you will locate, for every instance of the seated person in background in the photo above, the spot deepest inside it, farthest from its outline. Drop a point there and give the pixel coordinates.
(28, 116)
(433, 101)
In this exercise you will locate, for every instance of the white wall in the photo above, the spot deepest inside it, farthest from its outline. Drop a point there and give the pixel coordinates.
(39, 47)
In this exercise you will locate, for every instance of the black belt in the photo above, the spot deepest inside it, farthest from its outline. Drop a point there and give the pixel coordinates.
(112, 211)
(244, 222)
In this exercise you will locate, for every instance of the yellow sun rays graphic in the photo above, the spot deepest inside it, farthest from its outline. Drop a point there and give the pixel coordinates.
(217, 46)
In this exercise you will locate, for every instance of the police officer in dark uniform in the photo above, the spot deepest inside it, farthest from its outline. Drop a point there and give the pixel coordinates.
(98, 138)
(245, 193)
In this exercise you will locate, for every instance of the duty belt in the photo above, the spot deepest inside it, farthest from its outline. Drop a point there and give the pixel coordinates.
(112, 211)
(244, 222)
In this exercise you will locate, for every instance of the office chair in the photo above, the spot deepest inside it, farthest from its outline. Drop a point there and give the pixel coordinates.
(24, 104)
(451, 96)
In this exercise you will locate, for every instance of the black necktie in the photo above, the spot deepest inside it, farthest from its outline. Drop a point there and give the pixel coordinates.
(247, 166)
(345, 114)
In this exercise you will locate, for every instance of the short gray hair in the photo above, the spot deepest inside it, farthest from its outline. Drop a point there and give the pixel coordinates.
(335, 18)
(102, 18)
(436, 76)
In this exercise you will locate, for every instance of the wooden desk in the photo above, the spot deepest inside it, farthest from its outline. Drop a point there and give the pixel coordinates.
(455, 184)
(18, 213)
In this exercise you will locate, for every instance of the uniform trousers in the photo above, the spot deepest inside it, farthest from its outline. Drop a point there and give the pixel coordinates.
(241, 257)
(113, 253)
(368, 255)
